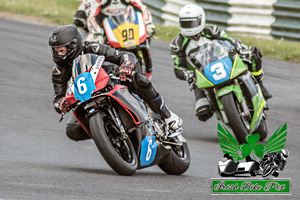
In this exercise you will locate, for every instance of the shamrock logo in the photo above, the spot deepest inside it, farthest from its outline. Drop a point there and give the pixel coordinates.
(231, 146)
(252, 146)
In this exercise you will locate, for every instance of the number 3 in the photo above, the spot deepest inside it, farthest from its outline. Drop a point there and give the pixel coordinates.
(220, 71)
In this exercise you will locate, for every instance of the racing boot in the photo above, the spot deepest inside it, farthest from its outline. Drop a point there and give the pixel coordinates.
(74, 131)
(204, 113)
(202, 106)
(265, 91)
(172, 120)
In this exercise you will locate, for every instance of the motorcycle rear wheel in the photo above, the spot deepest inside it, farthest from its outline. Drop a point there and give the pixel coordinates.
(268, 170)
(121, 158)
(178, 161)
(235, 120)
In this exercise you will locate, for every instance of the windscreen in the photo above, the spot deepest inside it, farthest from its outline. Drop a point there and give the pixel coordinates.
(212, 51)
(127, 17)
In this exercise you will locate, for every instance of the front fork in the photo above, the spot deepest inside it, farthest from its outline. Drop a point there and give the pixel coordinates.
(237, 92)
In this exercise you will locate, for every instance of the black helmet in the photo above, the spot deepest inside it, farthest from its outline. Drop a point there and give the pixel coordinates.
(70, 37)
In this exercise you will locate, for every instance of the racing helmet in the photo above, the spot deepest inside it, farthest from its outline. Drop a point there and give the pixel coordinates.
(191, 20)
(70, 37)
(284, 154)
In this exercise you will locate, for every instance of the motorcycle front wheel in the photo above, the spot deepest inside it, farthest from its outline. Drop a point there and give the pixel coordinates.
(116, 148)
(178, 161)
(235, 118)
(262, 129)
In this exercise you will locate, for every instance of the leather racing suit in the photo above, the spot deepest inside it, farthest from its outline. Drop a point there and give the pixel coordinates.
(180, 48)
(90, 15)
(140, 85)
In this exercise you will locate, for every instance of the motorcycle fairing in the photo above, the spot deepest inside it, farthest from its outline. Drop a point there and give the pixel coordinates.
(125, 30)
(83, 87)
(230, 168)
(202, 81)
(220, 71)
(148, 150)
(238, 67)
(133, 107)
(162, 152)
(88, 76)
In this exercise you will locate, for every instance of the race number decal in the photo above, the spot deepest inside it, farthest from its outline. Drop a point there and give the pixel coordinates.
(218, 71)
(83, 86)
(148, 150)
(127, 35)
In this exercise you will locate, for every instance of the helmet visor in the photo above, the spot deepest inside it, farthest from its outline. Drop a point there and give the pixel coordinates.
(190, 22)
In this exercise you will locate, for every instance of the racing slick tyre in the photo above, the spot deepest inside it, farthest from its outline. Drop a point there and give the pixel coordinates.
(116, 149)
(178, 161)
(262, 129)
(235, 119)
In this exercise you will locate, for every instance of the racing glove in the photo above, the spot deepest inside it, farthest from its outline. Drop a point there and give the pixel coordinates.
(80, 20)
(99, 37)
(244, 52)
(188, 75)
(150, 29)
(126, 70)
(64, 105)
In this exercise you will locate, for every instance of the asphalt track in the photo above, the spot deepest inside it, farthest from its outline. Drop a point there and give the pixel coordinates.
(37, 160)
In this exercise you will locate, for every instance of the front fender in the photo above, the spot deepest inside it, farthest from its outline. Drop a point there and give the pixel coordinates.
(257, 101)
(235, 89)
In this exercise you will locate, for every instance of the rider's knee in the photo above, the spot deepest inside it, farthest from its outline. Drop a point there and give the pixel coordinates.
(76, 132)
(142, 81)
(203, 111)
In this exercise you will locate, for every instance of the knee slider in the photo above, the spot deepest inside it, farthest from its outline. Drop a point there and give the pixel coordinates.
(75, 132)
(142, 81)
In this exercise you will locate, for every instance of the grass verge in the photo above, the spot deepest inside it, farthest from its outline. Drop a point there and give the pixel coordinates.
(60, 12)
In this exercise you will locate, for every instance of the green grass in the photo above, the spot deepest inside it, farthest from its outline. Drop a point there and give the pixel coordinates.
(58, 11)
(61, 12)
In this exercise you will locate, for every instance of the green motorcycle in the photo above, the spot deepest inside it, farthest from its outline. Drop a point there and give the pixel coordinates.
(234, 94)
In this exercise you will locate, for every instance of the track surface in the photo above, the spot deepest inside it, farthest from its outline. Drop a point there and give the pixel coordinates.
(37, 160)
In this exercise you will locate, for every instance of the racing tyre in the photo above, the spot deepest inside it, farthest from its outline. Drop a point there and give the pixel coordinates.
(178, 161)
(235, 119)
(262, 129)
(267, 170)
(116, 149)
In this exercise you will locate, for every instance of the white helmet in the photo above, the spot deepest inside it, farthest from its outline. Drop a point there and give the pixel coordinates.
(191, 20)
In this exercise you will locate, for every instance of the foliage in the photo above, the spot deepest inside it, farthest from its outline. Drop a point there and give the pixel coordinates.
(61, 12)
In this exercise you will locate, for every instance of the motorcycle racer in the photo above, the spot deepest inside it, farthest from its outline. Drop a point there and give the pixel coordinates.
(272, 162)
(194, 33)
(66, 44)
(91, 13)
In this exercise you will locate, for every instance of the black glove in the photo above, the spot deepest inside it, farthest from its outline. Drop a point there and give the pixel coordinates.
(189, 75)
(126, 70)
(256, 54)
(64, 105)
(244, 52)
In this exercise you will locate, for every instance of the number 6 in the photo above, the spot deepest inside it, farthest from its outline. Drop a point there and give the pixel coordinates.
(81, 86)
(149, 151)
